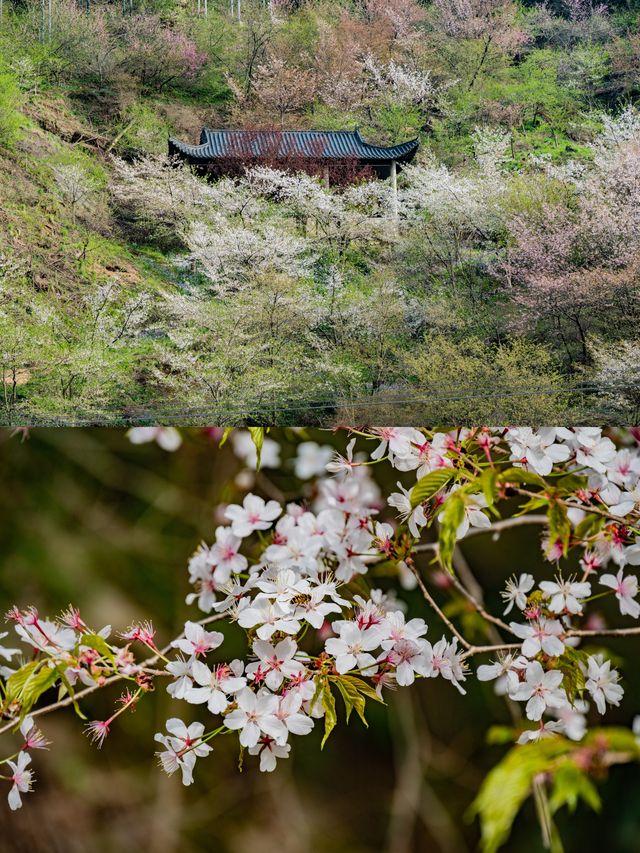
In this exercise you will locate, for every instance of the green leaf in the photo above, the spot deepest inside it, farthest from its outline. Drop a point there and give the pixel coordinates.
(352, 698)
(321, 683)
(257, 435)
(429, 485)
(508, 785)
(570, 483)
(589, 525)
(348, 701)
(572, 664)
(533, 504)
(570, 785)
(520, 475)
(489, 483)
(65, 687)
(559, 525)
(225, 435)
(364, 688)
(17, 681)
(98, 643)
(330, 716)
(451, 518)
(28, 684)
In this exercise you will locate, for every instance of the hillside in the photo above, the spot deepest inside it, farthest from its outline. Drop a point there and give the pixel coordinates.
(507, 287)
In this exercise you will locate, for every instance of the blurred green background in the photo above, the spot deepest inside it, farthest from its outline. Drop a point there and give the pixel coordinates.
(88, 518)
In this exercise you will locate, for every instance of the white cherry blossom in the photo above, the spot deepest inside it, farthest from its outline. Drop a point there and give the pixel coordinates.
(311, 459)
(21, 779)
(565, 594)
(269, 751)
(414, 517)
(275, 663)
(168, 438)
(443, 659)
(197, 641)
(626, 590)
(256, 716)
(541, 635)
(602, 683)
(352, 647)
(516, 592)
(183, 746)
(540, 690)
(254, 514)
(536, 449)
(225, 555)
(215, 685)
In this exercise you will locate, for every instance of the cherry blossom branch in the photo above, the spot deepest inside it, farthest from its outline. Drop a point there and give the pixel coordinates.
(604, 632)
(146, 666)
(586, 508)
(500, 647)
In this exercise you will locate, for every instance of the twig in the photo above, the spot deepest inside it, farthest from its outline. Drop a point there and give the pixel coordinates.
(500, 647)
(604, 632)
(495, 529)
(479, 607)
(72, 699)
(429, 598)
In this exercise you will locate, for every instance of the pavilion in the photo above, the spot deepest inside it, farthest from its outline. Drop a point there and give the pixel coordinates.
(317, 151)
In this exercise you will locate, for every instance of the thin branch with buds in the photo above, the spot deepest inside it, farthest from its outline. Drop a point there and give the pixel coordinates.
(146, 666)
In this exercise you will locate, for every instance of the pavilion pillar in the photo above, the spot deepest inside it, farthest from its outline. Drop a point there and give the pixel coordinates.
(394, 191)
(327, 180)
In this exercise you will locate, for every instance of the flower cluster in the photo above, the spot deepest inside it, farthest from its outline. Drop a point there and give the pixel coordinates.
(320, 589)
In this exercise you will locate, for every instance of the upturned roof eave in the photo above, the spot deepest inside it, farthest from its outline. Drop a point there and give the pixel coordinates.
(365, 152)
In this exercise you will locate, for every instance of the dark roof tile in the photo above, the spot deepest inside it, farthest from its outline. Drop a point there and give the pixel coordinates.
(289, 144)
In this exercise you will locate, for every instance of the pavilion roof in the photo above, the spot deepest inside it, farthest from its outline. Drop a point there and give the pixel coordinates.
(290, 144)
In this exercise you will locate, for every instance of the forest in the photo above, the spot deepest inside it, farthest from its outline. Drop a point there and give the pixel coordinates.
(505, 287)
